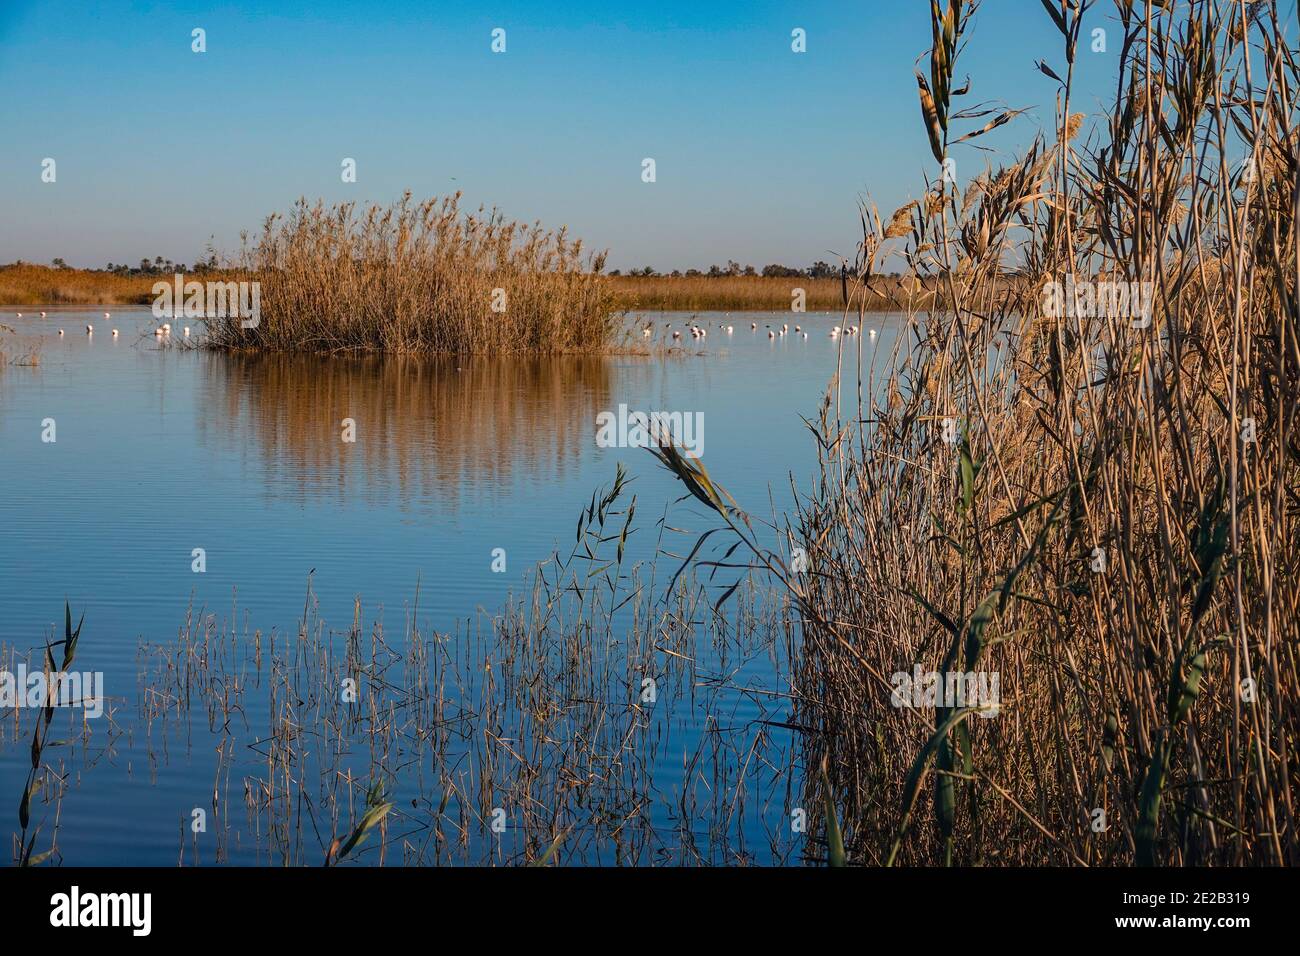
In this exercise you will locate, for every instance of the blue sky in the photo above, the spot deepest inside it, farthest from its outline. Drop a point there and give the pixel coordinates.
(761, 153)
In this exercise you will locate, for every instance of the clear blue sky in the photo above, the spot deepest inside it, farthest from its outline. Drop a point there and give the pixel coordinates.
(760, 152)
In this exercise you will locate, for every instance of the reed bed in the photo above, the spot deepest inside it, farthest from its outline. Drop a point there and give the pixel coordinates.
(1100, 511)
(521, 737)
(742, 293)
(419, 278)
(41, 802)
(598, 717)
(27, 284)
(18, 349)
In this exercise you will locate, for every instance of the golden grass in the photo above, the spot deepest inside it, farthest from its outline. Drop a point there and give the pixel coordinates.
(740, 293)
(26, 284)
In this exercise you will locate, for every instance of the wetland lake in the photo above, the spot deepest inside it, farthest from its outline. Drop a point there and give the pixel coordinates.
(243, 567)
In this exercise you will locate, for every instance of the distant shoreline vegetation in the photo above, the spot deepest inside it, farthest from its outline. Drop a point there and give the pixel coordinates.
(23, 283)
(700, 292)
(731, 288)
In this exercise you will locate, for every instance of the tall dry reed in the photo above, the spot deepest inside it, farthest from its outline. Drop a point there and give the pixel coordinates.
(1112, 529)
(419, 277)
(1099, 509)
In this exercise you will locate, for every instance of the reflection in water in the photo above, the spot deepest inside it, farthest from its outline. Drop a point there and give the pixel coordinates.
(422, 425)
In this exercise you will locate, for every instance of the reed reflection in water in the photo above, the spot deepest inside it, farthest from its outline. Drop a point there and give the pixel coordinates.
(422, 426)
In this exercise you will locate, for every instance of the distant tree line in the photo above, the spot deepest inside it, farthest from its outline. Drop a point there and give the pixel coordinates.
(159, 266)
(818, 270)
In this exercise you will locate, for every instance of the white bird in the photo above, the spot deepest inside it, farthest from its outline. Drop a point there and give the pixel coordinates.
(786, 327)
(728, 330)
(115, 333)
(187, 331)
(106, 315)
(20, 315)
(157, 333)
(167, 328)
(771, 334)
(805, 335)
(752, 326)
(42, 315)
(644, 332)
(60, 331)
(797, 329)
(873, 333)
(90, 330)
(677, 334)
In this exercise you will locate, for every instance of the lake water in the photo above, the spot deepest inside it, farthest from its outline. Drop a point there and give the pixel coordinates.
(161, 451)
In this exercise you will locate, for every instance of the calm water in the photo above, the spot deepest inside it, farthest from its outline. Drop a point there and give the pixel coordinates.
(162, 451)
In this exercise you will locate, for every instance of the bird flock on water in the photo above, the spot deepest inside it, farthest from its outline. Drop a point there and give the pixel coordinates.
(698, 331)
(162, 332)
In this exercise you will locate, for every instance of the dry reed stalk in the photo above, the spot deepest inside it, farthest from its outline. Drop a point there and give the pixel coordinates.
(1162, 690)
